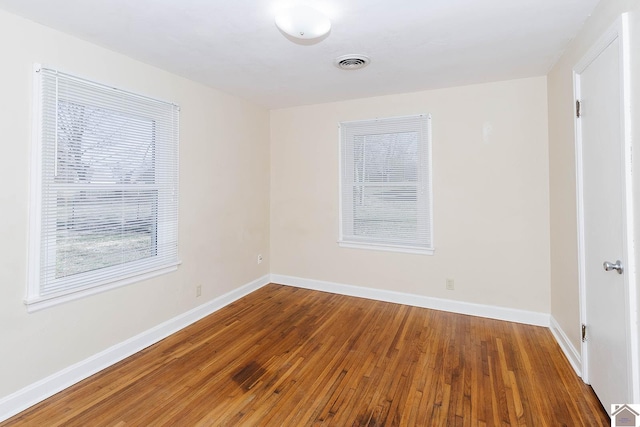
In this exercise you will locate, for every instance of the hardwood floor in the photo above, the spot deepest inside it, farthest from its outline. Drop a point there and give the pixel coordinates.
(285, 356)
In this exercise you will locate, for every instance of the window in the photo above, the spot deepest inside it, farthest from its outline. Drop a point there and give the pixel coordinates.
(385, 181)
(105, 188)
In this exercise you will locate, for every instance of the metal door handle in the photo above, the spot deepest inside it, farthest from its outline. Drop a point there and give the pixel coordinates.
(610, 266)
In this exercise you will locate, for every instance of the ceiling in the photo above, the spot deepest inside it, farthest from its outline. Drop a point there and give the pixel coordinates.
(234, 45)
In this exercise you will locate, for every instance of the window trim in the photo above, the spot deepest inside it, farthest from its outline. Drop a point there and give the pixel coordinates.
(40, 302)
(387, 247)
(34, 300)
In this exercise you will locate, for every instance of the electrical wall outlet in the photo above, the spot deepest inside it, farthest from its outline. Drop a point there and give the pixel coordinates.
(198, 290)
(259, 258)
(449, 284)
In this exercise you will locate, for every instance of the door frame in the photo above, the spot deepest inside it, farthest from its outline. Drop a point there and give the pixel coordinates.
(618, 31)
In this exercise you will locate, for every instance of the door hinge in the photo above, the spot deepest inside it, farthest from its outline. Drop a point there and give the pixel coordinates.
(578, 105)
(584, 332)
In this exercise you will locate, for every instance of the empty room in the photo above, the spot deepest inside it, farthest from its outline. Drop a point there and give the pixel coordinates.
(319, 212)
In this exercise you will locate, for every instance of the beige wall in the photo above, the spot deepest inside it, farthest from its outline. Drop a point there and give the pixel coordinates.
(224, 206)
(493, 194)
(564, 268)
(491, 203)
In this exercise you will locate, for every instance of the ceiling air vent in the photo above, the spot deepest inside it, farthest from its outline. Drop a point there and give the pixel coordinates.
(352, 62)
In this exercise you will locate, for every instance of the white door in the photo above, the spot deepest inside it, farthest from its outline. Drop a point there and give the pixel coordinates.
(602, 195)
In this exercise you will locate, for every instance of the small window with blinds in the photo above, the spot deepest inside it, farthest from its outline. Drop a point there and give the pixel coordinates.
(104, 209)
(385, 180)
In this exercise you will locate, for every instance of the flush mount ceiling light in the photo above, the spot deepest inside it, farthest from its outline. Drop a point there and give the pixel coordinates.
(303, 22)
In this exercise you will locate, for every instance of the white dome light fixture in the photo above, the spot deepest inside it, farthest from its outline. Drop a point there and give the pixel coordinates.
(303, 22)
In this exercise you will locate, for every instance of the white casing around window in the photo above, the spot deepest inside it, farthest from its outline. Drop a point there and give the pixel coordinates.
(104, 198)
(385, 184)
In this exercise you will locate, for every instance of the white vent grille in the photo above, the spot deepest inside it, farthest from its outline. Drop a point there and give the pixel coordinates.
(352, 62)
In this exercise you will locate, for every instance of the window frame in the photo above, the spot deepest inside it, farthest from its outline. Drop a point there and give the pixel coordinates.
(425, 173)
(35, 298)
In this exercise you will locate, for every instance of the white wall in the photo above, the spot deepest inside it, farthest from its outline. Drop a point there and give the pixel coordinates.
(490, 196)
(565, 306)
(224, 206)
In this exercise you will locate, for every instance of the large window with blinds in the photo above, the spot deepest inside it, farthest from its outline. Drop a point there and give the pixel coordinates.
(385, 182)
(104, 209)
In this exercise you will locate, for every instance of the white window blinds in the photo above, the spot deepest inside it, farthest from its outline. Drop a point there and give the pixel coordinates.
(106, 205)
(385, 179)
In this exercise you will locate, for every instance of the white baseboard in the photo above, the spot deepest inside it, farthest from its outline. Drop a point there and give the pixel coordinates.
(567, 347)
(489, 311)
(37, 392)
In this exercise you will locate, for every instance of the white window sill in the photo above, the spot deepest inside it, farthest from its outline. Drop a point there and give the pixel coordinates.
(37, 302)
(387, 248)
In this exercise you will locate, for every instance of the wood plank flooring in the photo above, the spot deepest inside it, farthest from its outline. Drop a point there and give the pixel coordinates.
(284, 356)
